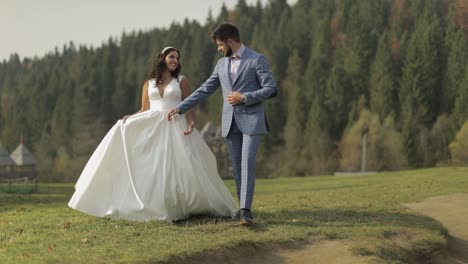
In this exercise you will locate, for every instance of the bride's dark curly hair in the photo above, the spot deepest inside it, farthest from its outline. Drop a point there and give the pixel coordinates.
(160, 65)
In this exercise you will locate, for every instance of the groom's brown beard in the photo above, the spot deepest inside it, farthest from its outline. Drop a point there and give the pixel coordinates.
(228, 52)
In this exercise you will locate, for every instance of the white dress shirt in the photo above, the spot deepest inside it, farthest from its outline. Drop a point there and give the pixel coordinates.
(235, 61)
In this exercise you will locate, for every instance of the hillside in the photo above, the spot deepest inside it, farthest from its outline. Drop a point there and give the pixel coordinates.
(394, 69)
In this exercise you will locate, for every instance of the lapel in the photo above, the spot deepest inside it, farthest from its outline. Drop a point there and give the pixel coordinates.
(242, 64)
(226, 73)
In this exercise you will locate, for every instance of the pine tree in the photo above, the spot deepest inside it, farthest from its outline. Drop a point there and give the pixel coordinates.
(456, 47)
(293, 132)
(460, 112)
(315, 157)
(419, 86)
(382, 82)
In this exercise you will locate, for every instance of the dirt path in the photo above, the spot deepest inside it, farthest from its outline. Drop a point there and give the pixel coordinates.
(325, 252)
(452, 212)
(318, 251)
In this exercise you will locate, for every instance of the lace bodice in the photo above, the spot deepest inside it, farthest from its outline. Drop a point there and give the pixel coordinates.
(171, 97)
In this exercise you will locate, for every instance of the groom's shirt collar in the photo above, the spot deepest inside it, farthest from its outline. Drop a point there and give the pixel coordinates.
(239, 51)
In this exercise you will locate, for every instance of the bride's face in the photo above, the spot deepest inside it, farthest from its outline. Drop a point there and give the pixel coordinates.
(172, 60)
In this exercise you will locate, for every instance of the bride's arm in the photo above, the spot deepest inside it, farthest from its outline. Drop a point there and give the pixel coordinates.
(145, 105)
(144, 100)
(190, 115)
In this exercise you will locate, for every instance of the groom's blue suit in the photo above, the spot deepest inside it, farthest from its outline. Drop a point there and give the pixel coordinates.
(242, 124)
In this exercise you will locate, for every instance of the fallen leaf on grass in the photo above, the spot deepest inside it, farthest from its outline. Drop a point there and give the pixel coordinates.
(67, 224)
(88, 239)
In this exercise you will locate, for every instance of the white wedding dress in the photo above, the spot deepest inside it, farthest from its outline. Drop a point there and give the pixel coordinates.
(146, 168)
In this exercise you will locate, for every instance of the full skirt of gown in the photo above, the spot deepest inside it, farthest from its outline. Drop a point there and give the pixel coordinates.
(146, 169)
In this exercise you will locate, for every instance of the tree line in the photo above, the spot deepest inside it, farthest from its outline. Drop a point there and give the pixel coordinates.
(393, 70)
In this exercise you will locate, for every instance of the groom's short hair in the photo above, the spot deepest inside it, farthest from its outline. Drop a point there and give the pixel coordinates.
(225, 31)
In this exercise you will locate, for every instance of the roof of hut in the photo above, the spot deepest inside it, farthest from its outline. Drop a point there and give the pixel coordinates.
(22, 156)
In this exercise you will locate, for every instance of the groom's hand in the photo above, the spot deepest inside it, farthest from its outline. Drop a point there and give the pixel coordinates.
(234, 98)
(172, 113)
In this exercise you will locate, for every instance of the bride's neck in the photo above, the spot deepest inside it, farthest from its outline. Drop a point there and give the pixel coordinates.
(166, 75)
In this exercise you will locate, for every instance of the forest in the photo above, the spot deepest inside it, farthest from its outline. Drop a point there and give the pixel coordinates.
(393, 70)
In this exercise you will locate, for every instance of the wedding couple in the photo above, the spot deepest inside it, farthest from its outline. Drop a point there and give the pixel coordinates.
(155, 165)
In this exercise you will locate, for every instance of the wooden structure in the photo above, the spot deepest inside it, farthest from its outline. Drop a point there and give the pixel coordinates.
(20, 166)
(6, 164)
(212, 136)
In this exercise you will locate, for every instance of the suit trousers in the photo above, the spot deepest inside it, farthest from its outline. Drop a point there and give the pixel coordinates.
(243, 150)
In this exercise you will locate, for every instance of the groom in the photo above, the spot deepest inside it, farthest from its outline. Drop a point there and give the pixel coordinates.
(246, 80)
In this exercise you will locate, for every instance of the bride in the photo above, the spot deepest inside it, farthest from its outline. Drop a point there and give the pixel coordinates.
(148, 168)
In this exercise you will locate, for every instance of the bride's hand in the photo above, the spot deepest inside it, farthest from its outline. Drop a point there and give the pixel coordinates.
(190, 128)
(125, 118)
(172, 113)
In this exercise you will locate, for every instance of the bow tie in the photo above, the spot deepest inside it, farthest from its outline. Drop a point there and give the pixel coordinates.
(234, 56)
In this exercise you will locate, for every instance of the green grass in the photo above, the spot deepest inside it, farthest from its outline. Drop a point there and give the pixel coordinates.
(18, 188)
(40, 228)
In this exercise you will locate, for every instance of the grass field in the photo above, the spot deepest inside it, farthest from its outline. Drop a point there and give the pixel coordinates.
(367, 210)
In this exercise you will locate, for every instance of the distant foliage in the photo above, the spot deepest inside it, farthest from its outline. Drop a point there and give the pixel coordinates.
(459, 147)
(383, 148)
(396, 66)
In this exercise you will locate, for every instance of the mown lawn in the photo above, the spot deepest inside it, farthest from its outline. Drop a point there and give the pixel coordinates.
(40, 228)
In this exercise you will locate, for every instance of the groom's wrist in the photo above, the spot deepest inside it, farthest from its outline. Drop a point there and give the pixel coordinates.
(243, 98)
(179, 110)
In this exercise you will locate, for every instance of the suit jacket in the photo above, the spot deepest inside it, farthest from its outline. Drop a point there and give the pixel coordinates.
(254, 80)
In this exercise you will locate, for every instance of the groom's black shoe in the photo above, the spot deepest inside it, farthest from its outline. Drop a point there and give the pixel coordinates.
(236, 216)
(246, 218)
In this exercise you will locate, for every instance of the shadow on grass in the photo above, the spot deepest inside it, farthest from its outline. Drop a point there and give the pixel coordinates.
(346, 217)
(197, 220)
(455, 253)
(458, 248)
(242, 253)
(322, 217)
(337, 219)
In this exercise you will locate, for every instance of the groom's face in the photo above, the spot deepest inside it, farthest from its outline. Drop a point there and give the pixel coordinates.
(224, 47)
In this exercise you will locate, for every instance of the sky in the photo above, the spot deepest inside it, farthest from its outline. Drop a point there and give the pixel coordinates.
(35, 27)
